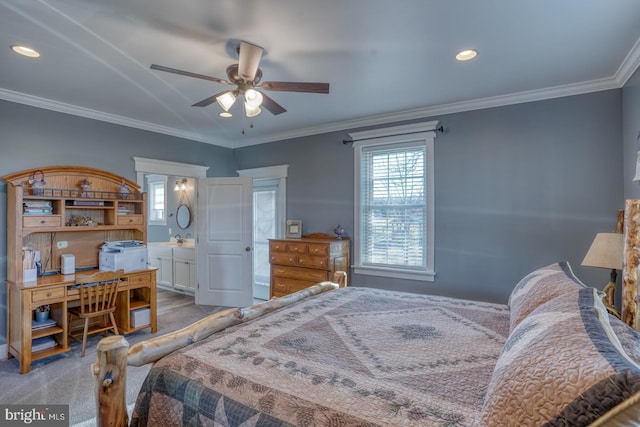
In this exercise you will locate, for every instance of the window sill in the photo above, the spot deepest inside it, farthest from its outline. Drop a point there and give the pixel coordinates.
(426, 276)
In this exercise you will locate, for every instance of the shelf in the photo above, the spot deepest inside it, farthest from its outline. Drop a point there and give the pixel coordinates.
(135, 304)
(47, 352)
(44, 332)
(73, 228)
(65, 193)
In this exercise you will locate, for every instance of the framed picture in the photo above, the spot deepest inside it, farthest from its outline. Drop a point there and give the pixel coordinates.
(294, 229)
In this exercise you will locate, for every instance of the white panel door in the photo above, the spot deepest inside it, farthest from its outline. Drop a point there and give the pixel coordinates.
(224, 239)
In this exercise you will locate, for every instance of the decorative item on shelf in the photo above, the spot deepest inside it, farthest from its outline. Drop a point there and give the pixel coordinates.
(606, 251)
(339, 231)
(37, 185)
(42, 313)
(294, 229)
(86, 186)
(80, 221)
(123, 189)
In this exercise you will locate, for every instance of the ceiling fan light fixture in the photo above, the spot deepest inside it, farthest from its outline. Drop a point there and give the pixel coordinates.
(253, 98)
(250, 110)
(226, 100)
(225, 114)
(467, 54)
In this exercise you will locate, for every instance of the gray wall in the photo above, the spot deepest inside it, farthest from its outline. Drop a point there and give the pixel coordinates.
(631, 134)
(32, 137)
(517, 188)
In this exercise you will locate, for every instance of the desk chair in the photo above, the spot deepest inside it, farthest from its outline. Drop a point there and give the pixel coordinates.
(98, 293)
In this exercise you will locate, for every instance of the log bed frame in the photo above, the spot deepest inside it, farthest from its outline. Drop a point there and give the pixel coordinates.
(114, 353)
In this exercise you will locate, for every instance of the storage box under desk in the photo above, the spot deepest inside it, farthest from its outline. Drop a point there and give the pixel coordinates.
(140, 317)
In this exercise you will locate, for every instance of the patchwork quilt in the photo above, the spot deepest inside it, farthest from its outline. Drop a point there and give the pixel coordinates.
(349, 357)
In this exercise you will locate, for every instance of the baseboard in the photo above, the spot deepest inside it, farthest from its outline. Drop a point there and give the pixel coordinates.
(3, 351)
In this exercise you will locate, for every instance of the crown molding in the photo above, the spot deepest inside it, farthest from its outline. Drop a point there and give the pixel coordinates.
(74, 110)
(458, 107)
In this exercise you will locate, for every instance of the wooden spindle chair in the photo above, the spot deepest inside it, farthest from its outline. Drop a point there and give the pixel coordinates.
(98, 294)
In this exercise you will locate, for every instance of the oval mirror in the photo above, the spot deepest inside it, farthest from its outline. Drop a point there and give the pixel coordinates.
(183, 216)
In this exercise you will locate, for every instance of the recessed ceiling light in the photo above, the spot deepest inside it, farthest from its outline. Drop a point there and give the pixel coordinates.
(225, 114)
(25, 51)
(466, 55)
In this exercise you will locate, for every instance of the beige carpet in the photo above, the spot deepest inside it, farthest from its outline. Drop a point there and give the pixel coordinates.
(67, 378)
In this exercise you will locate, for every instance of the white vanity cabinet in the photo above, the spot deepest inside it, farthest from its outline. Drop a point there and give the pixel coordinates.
(184, 269)
(161, 257)
(176, 266)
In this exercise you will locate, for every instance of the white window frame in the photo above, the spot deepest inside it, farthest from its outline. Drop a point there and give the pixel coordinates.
(413, 134)
(153, 180)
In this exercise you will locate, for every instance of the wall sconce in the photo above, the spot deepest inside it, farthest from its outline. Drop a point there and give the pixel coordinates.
(181, 185)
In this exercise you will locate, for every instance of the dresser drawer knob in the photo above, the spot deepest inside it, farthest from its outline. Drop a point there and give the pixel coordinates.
(42, 221)
(49, 294)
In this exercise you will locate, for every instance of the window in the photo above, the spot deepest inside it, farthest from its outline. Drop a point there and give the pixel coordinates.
(394, 206)
(157, 194)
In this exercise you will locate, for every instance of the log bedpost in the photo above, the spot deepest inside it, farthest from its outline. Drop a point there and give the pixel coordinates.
(114, 354)
(111, 380)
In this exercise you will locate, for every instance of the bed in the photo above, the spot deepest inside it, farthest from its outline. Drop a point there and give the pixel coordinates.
(354, 356)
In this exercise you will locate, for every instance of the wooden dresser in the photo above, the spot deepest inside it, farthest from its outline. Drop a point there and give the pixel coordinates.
(299, 263)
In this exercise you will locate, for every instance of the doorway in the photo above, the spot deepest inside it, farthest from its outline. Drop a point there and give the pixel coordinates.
(269, 214)
(269, 190)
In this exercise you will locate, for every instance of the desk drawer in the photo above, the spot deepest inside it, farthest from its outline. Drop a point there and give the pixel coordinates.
(48, 295)
(34, 221)
(129, 220)
(137, 279)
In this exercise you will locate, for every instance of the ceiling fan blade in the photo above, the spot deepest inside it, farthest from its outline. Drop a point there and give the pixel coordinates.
(296, 87)
(208, 101)
(187, 73)
(249, 60)
(272, 106)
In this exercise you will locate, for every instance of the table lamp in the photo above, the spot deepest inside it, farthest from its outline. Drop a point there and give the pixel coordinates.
(606, 252)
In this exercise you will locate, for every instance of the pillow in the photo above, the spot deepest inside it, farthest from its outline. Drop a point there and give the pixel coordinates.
(538, 287)
(563, 365)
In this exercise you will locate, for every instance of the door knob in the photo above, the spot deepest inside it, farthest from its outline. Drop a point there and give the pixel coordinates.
(248, 248)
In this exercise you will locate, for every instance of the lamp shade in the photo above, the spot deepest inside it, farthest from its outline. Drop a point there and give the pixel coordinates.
(605, 251)
(251, 111)
(253, 98)
(226, 100)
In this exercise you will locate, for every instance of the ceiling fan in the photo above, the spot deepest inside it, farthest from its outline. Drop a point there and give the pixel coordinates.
(246, 77)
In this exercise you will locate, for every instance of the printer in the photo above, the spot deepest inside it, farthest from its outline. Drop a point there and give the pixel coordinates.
(129, 255)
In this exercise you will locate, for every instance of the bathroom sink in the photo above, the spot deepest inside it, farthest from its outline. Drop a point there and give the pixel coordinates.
(187, 243)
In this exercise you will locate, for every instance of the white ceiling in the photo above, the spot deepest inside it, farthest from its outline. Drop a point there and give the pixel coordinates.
(385, 60)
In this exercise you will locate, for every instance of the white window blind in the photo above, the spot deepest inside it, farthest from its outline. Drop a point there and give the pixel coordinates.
(394, 206)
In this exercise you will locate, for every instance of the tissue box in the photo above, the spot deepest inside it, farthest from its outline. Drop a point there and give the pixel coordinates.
(140, 317)
(30, 275)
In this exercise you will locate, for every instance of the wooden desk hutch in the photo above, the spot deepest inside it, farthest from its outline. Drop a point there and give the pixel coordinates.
(58, 216)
